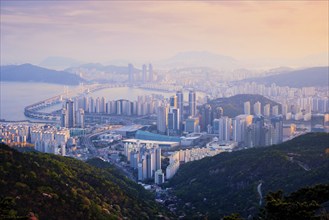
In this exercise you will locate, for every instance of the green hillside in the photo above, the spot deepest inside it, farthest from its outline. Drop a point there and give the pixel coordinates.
(55, 187)
(227, 183)
(234, 105)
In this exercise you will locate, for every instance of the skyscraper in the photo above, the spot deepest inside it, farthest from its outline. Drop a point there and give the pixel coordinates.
(224, 128)
(180, 104)
(258, 131)
(64, 119)
(192, 103)
(68, 115)
(267, 109)
(191, 124)
(80, 120)
(275, 110)
(206, 117)
(157, 158)
(277, 123)
(240, 124)
(246, 106)
(173, 101)
(162, 119)
(257, 108)
(173, 121)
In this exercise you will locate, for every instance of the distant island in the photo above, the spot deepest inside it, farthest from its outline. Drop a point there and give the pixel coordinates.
(29, 72)
(315, 76)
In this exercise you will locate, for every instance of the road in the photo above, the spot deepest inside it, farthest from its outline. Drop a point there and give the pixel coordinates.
(86, 141)
(259, 190)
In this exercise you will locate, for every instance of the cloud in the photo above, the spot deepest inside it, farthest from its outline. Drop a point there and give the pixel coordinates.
(125, 29)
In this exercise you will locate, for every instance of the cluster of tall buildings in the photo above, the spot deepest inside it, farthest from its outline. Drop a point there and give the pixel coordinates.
(146, 159)
(50, 139)
(188, 155)
(72, 117)
(14, 133)
(257, 109)
(171, 115)
(297, 103)
(256, 130)
(144, 105)
(304, 107)
(46, 138)
(145, 76)
(256, 127)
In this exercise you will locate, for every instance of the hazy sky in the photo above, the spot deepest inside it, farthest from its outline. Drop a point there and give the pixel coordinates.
(147, 30)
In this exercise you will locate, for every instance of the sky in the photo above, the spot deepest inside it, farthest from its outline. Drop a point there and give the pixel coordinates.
(101, 31)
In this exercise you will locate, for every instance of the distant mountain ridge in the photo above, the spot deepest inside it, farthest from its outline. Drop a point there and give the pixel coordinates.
(57, 62)
(29, 72)
(102, 68)
(200, 59)
(315, 76)
(230, 182)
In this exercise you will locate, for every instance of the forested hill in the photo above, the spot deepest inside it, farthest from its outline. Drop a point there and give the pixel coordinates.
(55, 187)
(229, 182)
(234, 105)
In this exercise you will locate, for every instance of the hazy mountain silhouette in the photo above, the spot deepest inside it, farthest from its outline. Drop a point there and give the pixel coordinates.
(200, 58)
(102, 68)
(57, 62)
(315, 76)
(29, 72)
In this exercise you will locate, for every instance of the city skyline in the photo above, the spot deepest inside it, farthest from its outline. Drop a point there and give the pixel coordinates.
(269, 33)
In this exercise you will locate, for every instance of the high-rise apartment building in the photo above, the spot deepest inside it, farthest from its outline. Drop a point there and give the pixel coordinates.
(162, 119)
(192, 103)
(267, 109)
(180, 104)
(173, 101)
(68, 115)
(257, 108)
(246, 108)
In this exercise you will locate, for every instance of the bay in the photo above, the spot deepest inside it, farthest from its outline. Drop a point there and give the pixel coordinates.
(15, 96)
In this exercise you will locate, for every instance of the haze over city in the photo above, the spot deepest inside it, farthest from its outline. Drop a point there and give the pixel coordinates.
(164, 110)
(257, 34)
